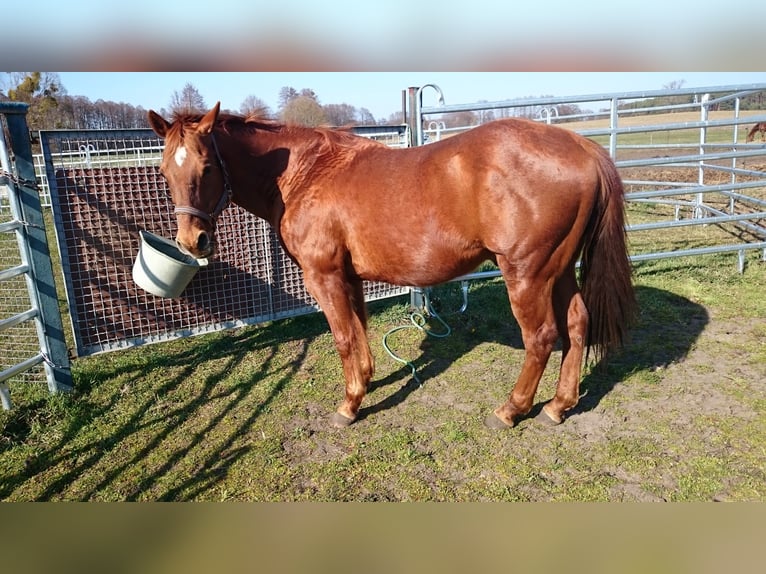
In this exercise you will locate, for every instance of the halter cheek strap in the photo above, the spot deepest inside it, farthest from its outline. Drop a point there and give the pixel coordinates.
(223, 202)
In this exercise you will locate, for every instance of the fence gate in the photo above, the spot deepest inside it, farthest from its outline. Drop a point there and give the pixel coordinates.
(31, 333)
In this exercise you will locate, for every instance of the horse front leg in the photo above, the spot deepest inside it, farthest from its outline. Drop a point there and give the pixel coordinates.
(339, 298)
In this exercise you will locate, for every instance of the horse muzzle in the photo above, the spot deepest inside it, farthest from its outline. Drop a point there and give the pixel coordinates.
(201, 246)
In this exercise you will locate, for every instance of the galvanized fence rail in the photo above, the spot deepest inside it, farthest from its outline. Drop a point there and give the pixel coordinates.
(31, 333)
(725, 204)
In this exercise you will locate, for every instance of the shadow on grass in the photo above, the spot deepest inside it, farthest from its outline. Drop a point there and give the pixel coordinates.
(150, 423)
(95, 424)
(666, 329)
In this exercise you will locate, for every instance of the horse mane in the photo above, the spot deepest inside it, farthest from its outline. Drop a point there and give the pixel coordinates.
(325, 149)
(331, 136)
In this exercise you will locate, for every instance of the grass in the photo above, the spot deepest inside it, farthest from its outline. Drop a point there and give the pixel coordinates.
(240, 415)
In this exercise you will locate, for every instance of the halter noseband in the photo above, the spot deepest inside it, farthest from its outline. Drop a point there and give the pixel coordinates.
(222, 204)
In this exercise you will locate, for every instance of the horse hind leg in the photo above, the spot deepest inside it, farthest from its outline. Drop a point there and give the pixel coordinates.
(572, 319)
(532, 305)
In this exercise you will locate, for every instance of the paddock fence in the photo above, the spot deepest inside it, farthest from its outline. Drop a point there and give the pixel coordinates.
(682, 155)
(31, 330)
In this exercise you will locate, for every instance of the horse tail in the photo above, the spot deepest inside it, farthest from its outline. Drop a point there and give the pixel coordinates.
(759, 127)
(605, 269)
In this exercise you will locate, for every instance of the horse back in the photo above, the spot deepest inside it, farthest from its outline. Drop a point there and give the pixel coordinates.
(508, 187)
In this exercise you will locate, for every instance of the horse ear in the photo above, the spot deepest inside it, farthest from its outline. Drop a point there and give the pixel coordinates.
(208, 120)
(158, 123)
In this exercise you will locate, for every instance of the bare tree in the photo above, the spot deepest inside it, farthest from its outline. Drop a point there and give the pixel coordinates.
(254, 106)
(365, 117)
(188, 100)
(395, 118)
(305, 111)
(674, 85)
(286, 95)
(340, 114)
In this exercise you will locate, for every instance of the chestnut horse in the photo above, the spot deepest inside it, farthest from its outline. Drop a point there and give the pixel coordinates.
(530, 197)
(759, 127)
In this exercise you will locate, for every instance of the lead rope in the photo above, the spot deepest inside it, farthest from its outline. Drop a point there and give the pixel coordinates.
(419, 321)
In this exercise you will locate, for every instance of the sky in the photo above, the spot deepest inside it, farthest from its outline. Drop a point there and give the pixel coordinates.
(379, 92)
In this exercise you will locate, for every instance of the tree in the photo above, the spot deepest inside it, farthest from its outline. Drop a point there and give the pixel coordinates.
(255, 107)
(460, 119)
(396, 118)
(674, 85)
(305, 111)
(365, 117)
(188, 101)
(340, 114)
(286, 95)
(41, 91)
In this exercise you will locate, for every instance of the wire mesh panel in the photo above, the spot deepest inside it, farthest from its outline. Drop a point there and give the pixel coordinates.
(99, 212)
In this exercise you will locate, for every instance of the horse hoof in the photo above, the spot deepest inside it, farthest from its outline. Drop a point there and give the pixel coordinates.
(547, 419)
(339, 421)
(496, 423)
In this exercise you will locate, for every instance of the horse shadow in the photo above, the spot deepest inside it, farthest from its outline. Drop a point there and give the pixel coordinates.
(665, 331)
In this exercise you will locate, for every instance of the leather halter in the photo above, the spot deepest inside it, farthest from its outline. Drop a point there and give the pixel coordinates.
(222, 204)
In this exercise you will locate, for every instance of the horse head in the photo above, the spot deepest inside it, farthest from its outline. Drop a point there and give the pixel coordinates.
(196, 175)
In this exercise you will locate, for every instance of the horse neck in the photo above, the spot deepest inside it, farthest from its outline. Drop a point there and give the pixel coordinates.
(255, 164)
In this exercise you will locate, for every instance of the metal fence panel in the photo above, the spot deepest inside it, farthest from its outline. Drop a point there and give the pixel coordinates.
(98, 213)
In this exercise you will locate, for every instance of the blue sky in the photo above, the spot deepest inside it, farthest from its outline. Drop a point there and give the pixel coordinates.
(379, 92)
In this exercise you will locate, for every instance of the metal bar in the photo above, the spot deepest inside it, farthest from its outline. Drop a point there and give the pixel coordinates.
(741, 197)
(737, 171)
(723, 218)
(697, 251)
(21, 367)
(11, 226)
(12, 272)
(17, 319)
(741, 89)
(668, 127)
(5, 397)
(756, 229)
(724, 187)
(681, 159)
(480, 275)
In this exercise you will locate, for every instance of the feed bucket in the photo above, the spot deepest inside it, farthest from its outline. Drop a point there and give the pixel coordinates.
(161, 268)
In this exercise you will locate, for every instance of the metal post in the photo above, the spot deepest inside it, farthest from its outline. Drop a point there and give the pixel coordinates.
(411, 116)
(734, 149)
(49, 323)
(613, 120)
(703, 138)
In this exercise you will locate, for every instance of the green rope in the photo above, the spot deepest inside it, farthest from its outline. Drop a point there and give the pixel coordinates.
(417, 321)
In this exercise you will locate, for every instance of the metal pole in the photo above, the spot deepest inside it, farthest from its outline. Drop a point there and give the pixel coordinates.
(701, 169)
(411, 115)
(613, 120)
(734, 149)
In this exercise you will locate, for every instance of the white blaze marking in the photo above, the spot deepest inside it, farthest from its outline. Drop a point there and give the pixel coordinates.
(180, 156)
